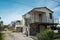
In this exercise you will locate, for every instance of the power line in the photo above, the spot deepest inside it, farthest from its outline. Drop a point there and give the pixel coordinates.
(56, 1)
(22, 3)
(31, 5)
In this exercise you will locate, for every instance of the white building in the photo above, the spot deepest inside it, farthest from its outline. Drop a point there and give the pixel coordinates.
(19, 26)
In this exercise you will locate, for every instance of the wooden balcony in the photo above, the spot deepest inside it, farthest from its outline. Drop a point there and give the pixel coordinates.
(50, 22)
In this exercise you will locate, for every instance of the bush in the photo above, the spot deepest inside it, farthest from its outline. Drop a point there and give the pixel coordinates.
(1, 36)
(13, 30)
(46, 35)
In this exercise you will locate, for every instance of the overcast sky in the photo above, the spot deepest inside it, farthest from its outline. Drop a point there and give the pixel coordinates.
(11, 10)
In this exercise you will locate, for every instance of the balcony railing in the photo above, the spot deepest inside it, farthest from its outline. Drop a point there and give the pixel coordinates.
(19, 26)
(56, 20)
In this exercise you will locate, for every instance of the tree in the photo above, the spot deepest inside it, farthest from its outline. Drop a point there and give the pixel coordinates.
(27, 25)
(1, 24)
(26, 21)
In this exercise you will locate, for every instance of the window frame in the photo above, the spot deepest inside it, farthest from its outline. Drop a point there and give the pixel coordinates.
(50, 15)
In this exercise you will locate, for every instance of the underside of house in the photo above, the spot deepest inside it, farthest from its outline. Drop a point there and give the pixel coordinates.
(38, 27)
(19, 29)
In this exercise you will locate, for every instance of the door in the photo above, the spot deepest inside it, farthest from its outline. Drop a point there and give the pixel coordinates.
(19, 29)
(40, 17)
(42, 28)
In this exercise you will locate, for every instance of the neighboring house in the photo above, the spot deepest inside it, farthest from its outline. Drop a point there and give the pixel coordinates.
(11, 26)
(16, 25)
(40, 18)
(19, 26)
(6, 27)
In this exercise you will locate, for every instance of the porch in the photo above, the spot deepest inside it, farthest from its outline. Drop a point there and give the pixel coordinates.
(38, 27)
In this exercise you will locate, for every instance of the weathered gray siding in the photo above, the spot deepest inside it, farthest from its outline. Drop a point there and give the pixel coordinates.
(45, 16)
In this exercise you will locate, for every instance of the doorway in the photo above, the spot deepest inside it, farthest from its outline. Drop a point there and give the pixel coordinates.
(40, 17)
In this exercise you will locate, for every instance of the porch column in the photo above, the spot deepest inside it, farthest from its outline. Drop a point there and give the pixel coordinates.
(28, 29)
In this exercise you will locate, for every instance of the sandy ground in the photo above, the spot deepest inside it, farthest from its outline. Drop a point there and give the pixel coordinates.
(16, 36)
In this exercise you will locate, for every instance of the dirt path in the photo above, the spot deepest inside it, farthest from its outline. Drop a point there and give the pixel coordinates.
(8, 36)
(20, 36)
(16, 36)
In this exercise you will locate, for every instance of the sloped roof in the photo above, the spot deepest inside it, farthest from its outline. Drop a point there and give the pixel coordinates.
(18, 21)
(38, 8)
(43, 7)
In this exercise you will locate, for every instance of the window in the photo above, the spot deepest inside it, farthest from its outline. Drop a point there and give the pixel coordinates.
(50, 14)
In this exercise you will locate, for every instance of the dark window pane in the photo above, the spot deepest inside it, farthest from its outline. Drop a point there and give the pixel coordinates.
(50, 14)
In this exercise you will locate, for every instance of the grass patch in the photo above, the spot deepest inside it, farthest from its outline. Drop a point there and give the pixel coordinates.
(13, 30)
(1, 36)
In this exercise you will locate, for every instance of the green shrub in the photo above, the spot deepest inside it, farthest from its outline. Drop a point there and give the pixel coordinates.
(46, 35)
(13, 30)
(1, 36)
